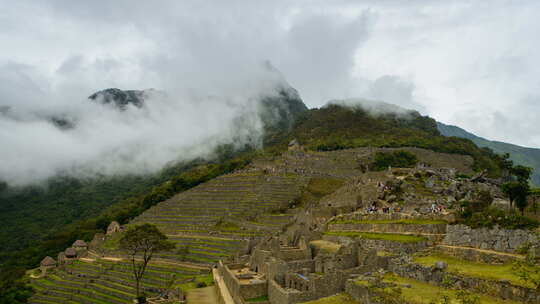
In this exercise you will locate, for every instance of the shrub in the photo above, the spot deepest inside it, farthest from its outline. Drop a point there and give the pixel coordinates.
(398, 159)
(493, 216)
(201, 284)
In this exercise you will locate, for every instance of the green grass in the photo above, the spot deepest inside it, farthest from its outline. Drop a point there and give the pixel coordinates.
(474, 269)
(113, 242)
(341, 298)
(258, 299)
(423, 293)
(323, 186)
(402, 238)
(401, 222)
(326, 246)
(207, 279)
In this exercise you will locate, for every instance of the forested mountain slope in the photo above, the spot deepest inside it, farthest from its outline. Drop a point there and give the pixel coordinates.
(529, 157)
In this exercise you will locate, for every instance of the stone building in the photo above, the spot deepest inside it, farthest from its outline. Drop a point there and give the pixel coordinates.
(291, 272)
(46, 264)
(294, 145)
(113, 227)
(70, 254)
(80, 245)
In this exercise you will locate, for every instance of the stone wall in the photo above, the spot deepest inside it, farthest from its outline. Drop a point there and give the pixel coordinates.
(497, 239)
(258, 259)
(222, 292)
(383, 245)
(328, 284)
(280, 295)
(361, 293)
(475, 255)
(357, 216)
(391, 228)
(240, 291)
(293, 254)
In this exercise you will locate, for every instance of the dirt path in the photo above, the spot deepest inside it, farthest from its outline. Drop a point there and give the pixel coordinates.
(519, 256)
(154, 261)
(205, 295)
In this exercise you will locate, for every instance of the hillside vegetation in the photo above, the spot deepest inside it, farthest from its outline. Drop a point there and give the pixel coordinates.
(337, 127)
(529, 157)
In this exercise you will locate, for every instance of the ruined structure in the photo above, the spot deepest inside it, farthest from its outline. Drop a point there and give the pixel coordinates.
(113, 227)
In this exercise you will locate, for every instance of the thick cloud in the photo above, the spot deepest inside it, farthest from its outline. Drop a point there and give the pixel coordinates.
(465, 63)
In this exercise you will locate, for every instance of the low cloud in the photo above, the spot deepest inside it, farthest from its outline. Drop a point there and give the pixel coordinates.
(459, 62)
(106, 140)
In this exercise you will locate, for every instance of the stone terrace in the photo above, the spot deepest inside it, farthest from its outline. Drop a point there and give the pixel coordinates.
(102, 281)
(214, 220)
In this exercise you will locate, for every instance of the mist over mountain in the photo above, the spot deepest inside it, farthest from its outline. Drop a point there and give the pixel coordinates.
(121, 98)
(116, 131)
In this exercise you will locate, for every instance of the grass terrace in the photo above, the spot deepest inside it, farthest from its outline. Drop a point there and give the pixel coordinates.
(258, 299)
(104, 281)
(326, 246)
(341, 298)
(473, 269)
(202, 280)
(423, 293)
(400, 222)
(394, 237)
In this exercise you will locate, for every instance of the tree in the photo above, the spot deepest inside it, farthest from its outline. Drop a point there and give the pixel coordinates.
(511, 189)
(522, 173)
(521, 199)
(141, 242)
(517, 192)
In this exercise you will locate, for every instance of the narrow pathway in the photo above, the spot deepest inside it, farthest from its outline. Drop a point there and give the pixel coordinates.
(205, 295)
(154, 260)
(514, 255)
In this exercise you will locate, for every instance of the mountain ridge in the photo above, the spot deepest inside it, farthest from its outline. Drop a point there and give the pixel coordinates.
(520, 155)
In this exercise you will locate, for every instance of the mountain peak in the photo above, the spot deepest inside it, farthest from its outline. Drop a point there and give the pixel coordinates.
(121, 98)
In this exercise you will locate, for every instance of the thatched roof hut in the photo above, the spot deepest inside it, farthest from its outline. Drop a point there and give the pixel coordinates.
(79, 244)
(48, 262)
(70, 252)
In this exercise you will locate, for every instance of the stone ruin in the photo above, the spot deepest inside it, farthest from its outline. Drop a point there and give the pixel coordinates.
(113, 228)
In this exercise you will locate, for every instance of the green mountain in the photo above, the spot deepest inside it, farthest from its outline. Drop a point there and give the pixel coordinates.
(529, 157)
(38, 217)
(48, 216)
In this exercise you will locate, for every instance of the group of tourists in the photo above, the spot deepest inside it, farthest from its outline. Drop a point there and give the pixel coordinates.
(437, 208)
(374, 209)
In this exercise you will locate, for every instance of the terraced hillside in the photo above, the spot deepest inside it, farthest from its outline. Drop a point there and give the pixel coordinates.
(210, 222)
(221, 207)
(215, 221)
(107, 281)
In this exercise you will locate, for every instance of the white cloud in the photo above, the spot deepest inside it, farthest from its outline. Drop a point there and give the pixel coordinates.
(467, 63)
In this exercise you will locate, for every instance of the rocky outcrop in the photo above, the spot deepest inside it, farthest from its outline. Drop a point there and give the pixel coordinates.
(121, 98)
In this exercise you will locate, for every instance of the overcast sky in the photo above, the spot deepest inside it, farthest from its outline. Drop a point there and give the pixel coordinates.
(474, 64)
